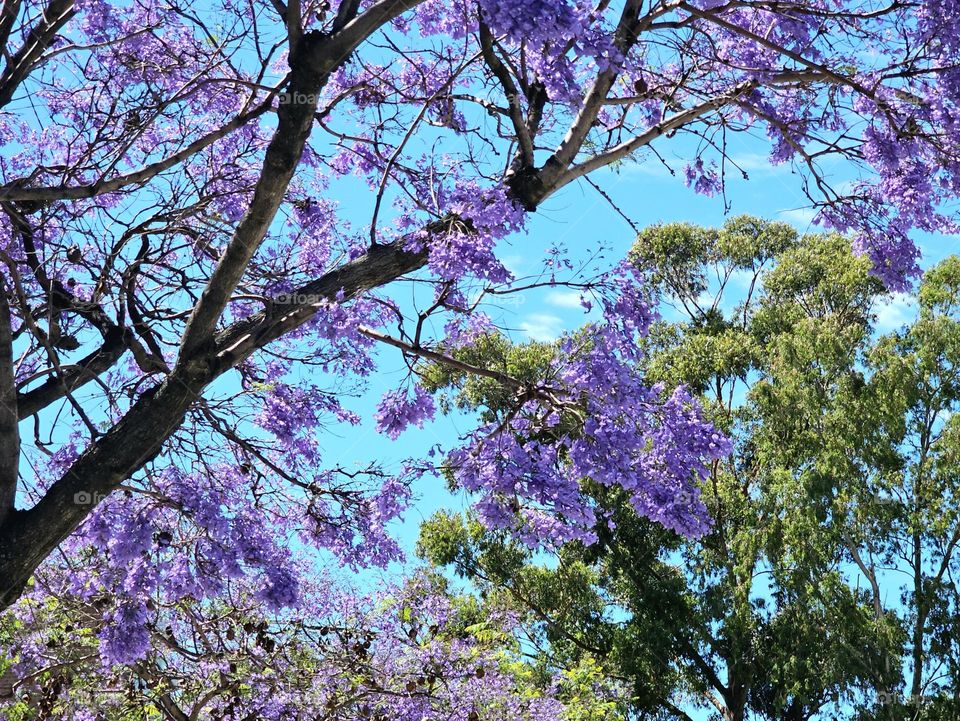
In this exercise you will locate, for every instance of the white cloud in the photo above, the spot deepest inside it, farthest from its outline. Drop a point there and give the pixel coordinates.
(541, 327)
(515, 263)
(740, 279)
(758, 164)
(895, 311)
(564, 299)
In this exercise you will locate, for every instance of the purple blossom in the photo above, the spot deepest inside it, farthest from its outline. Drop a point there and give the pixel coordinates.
(397, 410)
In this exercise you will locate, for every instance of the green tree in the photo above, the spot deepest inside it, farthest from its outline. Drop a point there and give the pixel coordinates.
(825, 587)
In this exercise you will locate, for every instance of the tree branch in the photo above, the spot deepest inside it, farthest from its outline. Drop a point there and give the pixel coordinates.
(9, 431)
(524, 139)
(77, 192)
(314, 58)
(18, 67)
(72, 376)
(8, 16)
(28, 537)
(675, 121)
(626, 37)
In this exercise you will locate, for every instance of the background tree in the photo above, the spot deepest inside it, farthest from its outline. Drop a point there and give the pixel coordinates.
(406, 651)
(795, 604)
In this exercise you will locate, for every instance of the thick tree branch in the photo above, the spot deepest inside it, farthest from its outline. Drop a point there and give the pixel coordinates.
(314, 58)
(626, 36)
(9, 431)
(8, 16)
(27, 537)
(73, 376)
(18, 67)
(380, 265)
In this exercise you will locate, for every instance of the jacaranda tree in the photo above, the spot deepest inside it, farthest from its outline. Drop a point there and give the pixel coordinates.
(410, 651)
(187, 304)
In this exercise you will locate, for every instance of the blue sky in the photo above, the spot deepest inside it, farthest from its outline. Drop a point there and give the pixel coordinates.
(582, 220)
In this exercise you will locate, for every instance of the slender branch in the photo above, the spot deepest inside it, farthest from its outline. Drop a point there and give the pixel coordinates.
(626, 37)
(502, 74)
(675, 121)
(139, 177)
(446, 360)
(72, 376)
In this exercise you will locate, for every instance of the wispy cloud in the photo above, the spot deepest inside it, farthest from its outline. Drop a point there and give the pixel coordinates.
(542, 327)
(564, 299)
(758, 164)
(800, 218)
(515, 263)
(895, 312)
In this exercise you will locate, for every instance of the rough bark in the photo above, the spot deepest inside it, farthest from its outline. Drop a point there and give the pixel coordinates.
(9, 430)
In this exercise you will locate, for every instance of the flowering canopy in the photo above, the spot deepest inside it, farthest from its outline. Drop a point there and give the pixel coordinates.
(405, 652)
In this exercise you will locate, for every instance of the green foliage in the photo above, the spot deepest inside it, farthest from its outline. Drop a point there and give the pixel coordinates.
(526, 363)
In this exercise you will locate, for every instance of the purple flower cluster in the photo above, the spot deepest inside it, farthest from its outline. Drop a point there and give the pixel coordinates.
(417, 658)
(535, 21)
(465, 247)
(529, 474)
(397, 411)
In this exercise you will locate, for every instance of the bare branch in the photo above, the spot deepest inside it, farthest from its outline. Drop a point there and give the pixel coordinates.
(76, 192)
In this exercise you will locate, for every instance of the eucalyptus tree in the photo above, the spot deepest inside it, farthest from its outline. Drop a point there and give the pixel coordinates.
(824, 587)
